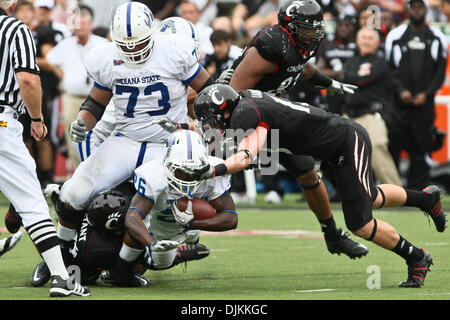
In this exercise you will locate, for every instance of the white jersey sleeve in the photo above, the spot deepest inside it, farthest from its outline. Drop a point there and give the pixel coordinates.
(99, 64)
(181, 56)
(150, 180)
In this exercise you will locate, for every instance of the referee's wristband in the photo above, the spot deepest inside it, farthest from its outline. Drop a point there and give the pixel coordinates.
(41, 119)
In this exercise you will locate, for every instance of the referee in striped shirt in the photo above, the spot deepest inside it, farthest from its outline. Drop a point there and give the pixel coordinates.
(20, 88)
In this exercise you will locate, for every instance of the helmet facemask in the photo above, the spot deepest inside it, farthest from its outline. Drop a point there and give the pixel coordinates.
(307, 36)
(132, 30)
(185, 149)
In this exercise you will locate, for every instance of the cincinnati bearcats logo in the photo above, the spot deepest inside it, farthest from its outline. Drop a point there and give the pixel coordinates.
(295, 5)
(215, 96)
(111, 221)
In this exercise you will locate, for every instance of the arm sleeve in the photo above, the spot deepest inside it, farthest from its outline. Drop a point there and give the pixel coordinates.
(24, 51)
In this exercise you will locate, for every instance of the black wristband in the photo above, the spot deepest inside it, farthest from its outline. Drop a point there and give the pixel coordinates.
(184, 126)
(321, 80)
(221, 170)
(189, 224)
(41, 119)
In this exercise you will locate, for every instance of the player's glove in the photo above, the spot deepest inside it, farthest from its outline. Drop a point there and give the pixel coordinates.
(77, 131)
(340, 88)
(166, 123)
(225, 76)
(203, 172)
(183, 218)
(163, 245)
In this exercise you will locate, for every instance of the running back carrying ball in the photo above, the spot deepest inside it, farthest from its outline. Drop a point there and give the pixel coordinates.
(202, 209)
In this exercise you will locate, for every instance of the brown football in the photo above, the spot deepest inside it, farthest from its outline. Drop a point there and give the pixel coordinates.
(202, 209)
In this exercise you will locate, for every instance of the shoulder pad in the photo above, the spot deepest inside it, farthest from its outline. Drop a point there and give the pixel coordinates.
(273, 43)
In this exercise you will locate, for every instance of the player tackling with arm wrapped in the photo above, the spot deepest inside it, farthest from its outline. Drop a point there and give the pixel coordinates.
(273, 61)
(341, 144)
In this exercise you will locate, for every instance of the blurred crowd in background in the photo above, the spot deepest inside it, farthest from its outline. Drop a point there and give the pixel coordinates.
(225, 27)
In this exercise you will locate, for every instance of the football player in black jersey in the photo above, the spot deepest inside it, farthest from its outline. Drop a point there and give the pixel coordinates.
(342, 144)
(273, 61)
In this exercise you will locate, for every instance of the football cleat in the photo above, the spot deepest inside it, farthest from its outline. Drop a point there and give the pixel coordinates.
(63, 288)
(435, 211)
(109, 276)
(417, 272)
(41, 275)
(189, 252)
(13, 221)
(346, 246)
(10, 242)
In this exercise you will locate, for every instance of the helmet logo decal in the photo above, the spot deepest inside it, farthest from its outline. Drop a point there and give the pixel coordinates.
(215, 94)
(295, 5)
(112, 220)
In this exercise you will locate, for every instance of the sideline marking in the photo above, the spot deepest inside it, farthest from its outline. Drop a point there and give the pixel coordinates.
(289, 233)
(314, 290)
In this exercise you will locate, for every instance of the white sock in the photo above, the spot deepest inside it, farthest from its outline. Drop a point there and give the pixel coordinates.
(65, 233)
(55, 263)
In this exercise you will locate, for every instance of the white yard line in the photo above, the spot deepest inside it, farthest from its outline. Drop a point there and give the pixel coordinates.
(313, 290)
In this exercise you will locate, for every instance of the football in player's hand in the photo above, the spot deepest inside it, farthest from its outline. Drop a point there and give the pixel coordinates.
(202, 209)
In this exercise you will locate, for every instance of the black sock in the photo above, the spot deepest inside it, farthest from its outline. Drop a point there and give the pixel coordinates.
(408, 251)
(329, 229)
(417, 199)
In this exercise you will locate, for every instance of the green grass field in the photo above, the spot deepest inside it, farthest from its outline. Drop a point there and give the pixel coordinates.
(283, 258)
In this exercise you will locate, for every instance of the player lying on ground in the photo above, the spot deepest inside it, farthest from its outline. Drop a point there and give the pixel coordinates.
(99, 240)
(158, 186)
(342, 145)
(173, 233)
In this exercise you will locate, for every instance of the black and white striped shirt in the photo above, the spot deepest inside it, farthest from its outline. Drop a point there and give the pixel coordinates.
(17, 53)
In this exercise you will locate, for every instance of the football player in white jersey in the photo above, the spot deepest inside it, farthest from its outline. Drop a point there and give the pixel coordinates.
(146, 74)
(170, 235)
(155, 216)
(174, 27)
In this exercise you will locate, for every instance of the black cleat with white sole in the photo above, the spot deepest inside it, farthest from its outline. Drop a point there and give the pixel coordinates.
(40, 275)
(10, 242)
(133, 281)
(67, 288)
(346, 246)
